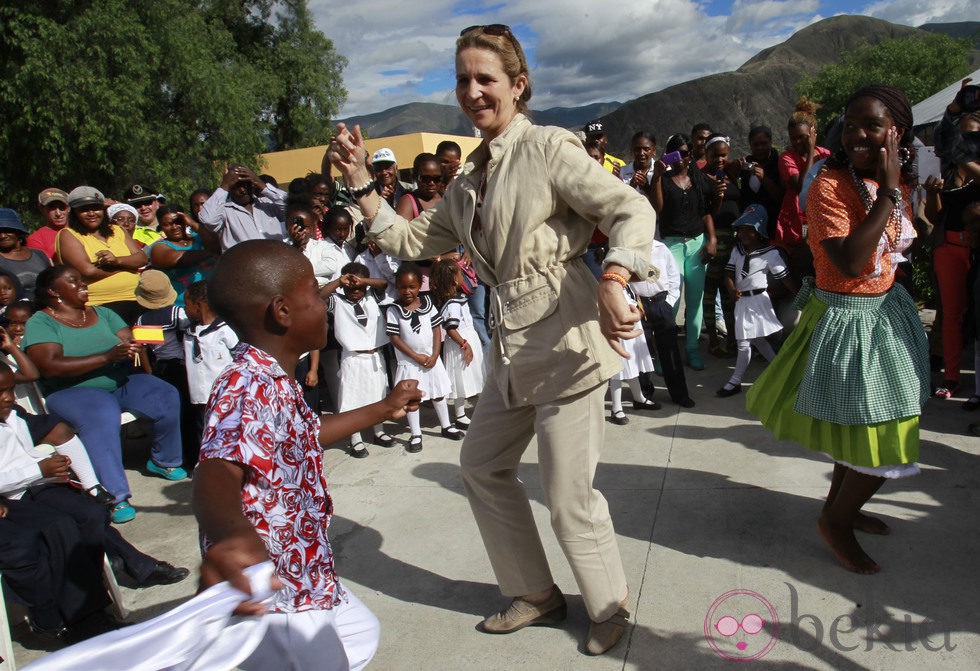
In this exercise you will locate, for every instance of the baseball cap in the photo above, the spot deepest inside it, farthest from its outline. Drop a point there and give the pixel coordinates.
(594, 127)
(383, 155)
(85, 195)
(140, 194)
(52, 195)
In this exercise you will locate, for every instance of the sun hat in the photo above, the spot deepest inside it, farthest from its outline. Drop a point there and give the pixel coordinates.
(754, 216)
(10, 221)
(116, 208)
(155, 290)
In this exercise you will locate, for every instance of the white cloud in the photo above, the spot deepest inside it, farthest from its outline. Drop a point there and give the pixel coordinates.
(581, 51)
(916, 12)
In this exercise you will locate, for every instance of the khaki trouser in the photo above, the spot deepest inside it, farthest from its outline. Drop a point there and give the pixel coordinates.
(570, 435)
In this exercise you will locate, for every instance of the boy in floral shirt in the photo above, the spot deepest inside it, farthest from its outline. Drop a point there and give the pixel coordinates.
(259, 490)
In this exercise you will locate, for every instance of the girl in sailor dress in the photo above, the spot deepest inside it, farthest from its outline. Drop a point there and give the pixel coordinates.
(360, 330)
(640, 361)
(413, 325)
(746, 279)
(462, 353)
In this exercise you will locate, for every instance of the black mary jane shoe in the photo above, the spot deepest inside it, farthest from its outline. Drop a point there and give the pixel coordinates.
(727, 391)
(452, 433)
(619, 418)
(383, 440)
(646, 404)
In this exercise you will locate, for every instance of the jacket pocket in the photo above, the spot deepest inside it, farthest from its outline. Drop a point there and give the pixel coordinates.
(526, 300)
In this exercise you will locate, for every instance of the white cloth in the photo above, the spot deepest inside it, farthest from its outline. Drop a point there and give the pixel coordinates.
(233, 223)
(26, 394)
(433, 382)
(362, 379)
(381, 267)
(754, 315)
(349, 332)
(669, 279)
(627, 171)
(640, 360)
(466, 380)
(204, 363)
(327, 258)
(202, 635)
(19, 458)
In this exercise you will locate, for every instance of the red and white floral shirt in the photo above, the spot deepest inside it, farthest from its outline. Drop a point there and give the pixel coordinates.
(257, 417)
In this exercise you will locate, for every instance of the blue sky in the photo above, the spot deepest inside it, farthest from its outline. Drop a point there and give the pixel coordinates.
(580, 51)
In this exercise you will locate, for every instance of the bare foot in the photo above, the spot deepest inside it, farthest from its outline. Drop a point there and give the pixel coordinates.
(871, 525)
(845, 547)
(868, 524)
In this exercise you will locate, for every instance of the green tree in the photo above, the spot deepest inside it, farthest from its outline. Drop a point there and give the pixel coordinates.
(920, 65)
(107, 92)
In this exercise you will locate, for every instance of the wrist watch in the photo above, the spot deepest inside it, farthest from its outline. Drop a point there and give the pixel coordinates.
(894, 194)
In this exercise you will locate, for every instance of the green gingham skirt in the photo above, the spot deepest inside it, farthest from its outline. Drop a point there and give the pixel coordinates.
(850, 380)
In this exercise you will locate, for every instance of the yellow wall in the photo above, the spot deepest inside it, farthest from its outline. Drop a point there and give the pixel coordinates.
(286, 166)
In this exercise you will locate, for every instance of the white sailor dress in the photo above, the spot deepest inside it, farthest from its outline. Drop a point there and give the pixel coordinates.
(754, 314)
(640, 360)
(360, 330)
(466, 380)
(415, 328)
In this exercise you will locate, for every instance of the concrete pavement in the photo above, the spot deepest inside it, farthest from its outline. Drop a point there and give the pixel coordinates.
(714, 517)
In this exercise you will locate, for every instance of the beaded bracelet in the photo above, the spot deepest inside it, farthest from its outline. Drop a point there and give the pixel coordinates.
(364, 190)
(615, 277)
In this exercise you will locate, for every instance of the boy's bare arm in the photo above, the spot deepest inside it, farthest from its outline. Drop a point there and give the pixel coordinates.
(405, 397)
(217, 504)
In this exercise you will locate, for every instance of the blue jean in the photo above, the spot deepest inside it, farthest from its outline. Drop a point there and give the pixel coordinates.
(95, 415)
(477, 303)
(687, 255)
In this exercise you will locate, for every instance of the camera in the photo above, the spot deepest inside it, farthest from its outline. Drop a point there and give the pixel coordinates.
(672, 158)
(969, 97)
(749, 166)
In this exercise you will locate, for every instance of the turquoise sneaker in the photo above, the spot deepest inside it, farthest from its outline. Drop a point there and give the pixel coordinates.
(175, 473)
(122, 512)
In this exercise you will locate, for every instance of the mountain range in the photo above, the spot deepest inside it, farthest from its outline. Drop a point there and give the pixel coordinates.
(758, 92)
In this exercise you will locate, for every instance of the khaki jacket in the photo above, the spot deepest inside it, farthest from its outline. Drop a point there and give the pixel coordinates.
(544, 198)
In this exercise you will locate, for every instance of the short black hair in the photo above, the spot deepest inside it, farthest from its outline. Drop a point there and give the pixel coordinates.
(197, 292)
(448, 145)
(408, 268)
(700, 126)
(355, 268)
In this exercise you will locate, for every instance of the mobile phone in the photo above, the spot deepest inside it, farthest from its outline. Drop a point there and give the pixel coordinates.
(671, 158)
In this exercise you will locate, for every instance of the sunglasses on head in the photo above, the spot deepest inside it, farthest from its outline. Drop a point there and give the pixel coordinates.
(497, 30)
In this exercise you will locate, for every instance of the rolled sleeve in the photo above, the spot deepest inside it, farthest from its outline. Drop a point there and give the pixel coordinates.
(427, 235)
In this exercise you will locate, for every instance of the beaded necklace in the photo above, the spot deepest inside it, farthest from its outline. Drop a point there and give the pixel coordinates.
(894, 225)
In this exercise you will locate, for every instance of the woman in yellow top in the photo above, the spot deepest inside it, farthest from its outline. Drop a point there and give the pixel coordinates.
(105, 255)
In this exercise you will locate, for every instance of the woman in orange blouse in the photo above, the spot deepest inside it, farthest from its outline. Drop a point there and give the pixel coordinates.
(851, 379)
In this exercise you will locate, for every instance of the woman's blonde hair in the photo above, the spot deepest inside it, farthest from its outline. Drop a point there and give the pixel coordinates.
(508, 49)
(805, 113)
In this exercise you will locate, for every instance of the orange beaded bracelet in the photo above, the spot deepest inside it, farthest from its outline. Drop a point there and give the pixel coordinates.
(615, 277)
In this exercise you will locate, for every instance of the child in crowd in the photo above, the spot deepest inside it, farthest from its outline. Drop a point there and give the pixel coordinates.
(639, 362)
(52, 537)
(380, 266)
(208, 344)
(658, 297)
(463, 352)
(11, 290)
(303, 219)
(259, 490)
(359, 327)
(26, 392)
(157, 295)
(746, 279)
(413, 327)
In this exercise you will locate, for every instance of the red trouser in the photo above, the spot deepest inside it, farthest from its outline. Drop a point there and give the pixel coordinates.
(951, 263)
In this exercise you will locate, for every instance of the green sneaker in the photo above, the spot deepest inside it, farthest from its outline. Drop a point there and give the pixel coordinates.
(175, 473)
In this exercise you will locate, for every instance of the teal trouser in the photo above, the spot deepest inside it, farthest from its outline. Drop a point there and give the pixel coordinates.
(687, 255)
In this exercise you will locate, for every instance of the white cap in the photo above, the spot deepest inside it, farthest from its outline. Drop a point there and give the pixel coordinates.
(383, 155)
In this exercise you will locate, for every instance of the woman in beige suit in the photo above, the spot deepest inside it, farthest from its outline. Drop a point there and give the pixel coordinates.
(526, 205)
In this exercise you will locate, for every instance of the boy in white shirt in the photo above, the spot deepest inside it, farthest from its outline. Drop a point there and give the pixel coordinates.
(658, 297)
(207, 351)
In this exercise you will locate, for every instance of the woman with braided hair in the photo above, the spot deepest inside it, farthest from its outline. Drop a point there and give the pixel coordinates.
(851, 379)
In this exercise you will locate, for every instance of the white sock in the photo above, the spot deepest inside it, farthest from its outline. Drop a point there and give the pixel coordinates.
(742, 362)
(636, 390)
(379, 429)
(460, 407)
(80, 463)
(442, 412)
(355, 439)
(616, 395)
(414, 423)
